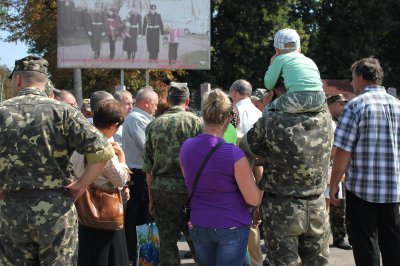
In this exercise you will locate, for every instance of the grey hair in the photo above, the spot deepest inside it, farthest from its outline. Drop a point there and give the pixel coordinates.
(243, 87)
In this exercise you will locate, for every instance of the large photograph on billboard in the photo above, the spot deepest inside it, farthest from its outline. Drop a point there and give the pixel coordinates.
(133, 34)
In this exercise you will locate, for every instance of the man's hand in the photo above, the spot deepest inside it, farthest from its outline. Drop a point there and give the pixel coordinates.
(126, 194)
(256, 217)
(89, 33)
(333, 190)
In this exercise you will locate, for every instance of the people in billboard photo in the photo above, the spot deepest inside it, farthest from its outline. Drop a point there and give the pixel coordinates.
(135, 21)
(133, 34)
(96, 29)
(153, 27)
(174, 36)
(112, 26)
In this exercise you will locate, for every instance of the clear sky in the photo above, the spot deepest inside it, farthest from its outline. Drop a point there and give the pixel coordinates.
(9, 52)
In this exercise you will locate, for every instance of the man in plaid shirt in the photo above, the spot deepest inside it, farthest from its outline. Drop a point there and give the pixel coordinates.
(368, 146)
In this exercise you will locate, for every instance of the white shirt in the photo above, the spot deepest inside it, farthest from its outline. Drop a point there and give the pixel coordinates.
(248, 115)
(134, 137)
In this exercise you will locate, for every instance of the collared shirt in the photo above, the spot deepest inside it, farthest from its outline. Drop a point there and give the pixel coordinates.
(164, 138)
(38, 136)
(248, 115)
(369, 128)
(133, 136)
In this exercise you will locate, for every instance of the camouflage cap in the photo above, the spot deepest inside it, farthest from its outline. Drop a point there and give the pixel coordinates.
(178, 90)
(30, 63)
(86, 105)
(49, 88)
(336, 98)
(258, 94)
(153, 7)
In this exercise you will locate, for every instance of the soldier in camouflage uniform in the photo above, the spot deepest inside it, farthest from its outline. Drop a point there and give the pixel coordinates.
(167, 190)
(38, 220)
(337, 215)
(296, 150)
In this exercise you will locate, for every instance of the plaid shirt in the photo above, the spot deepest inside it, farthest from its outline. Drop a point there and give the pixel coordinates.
(369, 128)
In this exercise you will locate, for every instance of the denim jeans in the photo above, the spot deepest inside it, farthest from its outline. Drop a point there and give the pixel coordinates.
(221, 246)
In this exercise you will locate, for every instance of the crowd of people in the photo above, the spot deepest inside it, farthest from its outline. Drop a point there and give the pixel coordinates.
(239, 167)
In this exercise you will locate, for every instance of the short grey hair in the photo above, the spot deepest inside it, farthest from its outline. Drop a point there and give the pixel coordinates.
(145, 93)
(118, 95)
(243, 87)
(97, 97)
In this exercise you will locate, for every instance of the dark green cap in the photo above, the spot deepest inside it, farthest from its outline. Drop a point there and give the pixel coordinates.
(31, 63)
(178, 90)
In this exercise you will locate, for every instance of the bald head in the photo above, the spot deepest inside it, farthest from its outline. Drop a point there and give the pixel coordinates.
(147, 100)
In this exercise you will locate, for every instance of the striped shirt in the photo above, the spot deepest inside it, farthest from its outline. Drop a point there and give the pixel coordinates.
(369, 128)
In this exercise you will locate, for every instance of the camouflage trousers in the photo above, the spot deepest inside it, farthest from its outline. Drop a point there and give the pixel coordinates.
(299, 102)
(38, 231)
(169, 220)
(337, 220)
(293, 228)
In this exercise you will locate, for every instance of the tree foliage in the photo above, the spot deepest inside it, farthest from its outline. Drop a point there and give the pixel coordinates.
(350, 30)
(242, 40)
(334, 33)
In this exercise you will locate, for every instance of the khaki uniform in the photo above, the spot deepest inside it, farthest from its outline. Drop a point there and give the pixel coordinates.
(296, 149)
(38, 136)
(164, 138)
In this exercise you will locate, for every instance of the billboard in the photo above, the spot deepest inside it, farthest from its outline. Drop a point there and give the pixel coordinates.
(136, 34)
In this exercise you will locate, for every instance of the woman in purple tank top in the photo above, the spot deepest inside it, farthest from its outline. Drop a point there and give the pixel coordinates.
(219, 219)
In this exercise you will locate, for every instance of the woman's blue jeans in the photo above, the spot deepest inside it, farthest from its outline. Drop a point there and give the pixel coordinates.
(220, 246)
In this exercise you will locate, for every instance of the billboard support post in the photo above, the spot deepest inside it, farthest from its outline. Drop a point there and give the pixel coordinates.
(147, 77)
(122, 78)
(78, 85)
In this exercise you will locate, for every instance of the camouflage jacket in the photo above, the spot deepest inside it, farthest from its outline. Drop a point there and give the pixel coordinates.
(164, 138)
(38, 136)
(296, 149)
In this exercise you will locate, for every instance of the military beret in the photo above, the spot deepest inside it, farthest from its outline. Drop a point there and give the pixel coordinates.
(258, 94)
(50, 87)
(31, 63)
(178, 90)
(336, 98)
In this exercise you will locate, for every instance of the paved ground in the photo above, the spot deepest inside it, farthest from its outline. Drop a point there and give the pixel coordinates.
(338, 257)
(82, 55)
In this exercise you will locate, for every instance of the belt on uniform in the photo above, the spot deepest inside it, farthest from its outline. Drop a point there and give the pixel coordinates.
(272, 195)
(134, 26)
(35, 193)
(153, 27)
(97, 23)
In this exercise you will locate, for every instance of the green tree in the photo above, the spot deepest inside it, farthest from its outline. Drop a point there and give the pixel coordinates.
(35, 23)
(242, 40)
(350, 30)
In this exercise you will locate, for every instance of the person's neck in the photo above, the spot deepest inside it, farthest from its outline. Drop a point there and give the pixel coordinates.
(213, 130)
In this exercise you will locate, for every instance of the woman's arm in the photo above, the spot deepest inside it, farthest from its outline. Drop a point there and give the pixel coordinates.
(116, 171)
(245, 180)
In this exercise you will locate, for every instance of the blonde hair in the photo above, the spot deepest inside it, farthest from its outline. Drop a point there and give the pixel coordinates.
(216, 108)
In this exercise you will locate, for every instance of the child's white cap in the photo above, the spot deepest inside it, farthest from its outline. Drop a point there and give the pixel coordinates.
(287, 39)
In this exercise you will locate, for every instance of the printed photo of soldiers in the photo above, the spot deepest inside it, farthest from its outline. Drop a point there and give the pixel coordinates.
(112, 25)
(133, 27)
(152, 28)
(96, 29)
